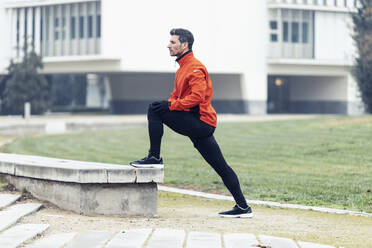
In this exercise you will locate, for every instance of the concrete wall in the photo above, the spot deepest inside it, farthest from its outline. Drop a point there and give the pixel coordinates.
(333, 39)
(325, 95)
(318, 88)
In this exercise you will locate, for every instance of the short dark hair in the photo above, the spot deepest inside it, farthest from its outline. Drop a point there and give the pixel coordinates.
(184, 36)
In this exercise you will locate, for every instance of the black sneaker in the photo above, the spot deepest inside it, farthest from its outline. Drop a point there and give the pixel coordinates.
(237, 212)
(148, 162)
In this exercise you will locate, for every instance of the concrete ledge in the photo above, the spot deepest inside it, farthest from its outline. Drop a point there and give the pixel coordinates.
(85, 187)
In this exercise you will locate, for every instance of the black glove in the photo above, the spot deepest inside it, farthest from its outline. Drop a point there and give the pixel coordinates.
(160, 107)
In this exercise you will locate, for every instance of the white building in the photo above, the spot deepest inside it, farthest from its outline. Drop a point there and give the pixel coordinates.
(275, 56)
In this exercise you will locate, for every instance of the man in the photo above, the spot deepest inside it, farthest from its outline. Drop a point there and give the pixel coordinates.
(189, 112)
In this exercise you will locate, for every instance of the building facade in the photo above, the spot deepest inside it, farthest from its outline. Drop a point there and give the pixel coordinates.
(275, 56)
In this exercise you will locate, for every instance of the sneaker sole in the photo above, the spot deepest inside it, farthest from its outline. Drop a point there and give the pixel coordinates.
(148, 165)
(250, 215)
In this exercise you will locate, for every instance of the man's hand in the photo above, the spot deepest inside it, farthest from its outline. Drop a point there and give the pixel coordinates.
(160, 107)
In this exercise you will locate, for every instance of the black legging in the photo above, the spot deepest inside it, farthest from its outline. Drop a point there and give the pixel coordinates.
(201, 135)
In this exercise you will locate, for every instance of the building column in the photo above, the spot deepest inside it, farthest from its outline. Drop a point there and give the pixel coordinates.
(21, 32)
(29, 29)
(107, 89)
(13, 34)
(254, 77)
(254, 89)
(355, 105)
(37, 30)
(98, 91)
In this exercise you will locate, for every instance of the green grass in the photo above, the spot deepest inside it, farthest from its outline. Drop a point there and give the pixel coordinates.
(325, 161)
(2, 182)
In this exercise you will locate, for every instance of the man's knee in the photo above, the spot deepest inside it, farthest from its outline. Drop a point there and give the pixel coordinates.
(152, 115)
(150, 111)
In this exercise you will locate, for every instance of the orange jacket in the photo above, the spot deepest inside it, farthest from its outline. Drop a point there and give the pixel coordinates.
(193, 87)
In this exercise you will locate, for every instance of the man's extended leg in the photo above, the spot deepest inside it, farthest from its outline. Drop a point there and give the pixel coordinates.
(211, 152)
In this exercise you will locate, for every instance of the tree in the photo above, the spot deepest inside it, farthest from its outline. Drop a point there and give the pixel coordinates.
(24, 84)
(363, 39)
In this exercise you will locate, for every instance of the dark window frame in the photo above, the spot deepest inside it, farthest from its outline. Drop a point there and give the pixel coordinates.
(81, 27)
(285, 31)
(295, 32)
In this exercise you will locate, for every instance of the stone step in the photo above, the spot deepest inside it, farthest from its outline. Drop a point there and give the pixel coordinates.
(130, 239)
(7, 200)
(275, 242)
(312, 245)
(167, 238)
(92, 239)
(203, 239)
(11, 215)
(234, 240)
(19, 234)
(53, 241)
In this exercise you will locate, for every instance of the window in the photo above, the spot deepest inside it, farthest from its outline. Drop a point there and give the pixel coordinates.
(295, 32)
(273, 25)
(285, 31)
(33, 27)
(72, 28)
(90, 26)
(41, 27)
(291, 33)
(25, 25)
(305, 32)
(81, 27)
(98, 26)
(274, 37)
(63, 28)
(17, 27)
(56, 28)
(47, 23)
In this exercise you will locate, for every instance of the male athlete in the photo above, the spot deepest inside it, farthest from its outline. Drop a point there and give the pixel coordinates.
(189, 112)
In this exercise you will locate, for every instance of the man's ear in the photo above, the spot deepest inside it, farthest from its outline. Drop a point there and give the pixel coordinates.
(185, 45)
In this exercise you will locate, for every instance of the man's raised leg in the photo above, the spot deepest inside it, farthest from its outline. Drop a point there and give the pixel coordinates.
(156, 130)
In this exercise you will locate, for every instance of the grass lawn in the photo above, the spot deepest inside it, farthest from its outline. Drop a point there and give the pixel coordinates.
(325, 161)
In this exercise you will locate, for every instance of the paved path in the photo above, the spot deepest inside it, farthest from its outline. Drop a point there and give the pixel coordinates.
(26, 235)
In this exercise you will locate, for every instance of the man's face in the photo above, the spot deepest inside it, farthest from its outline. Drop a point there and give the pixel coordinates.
(176, 48)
